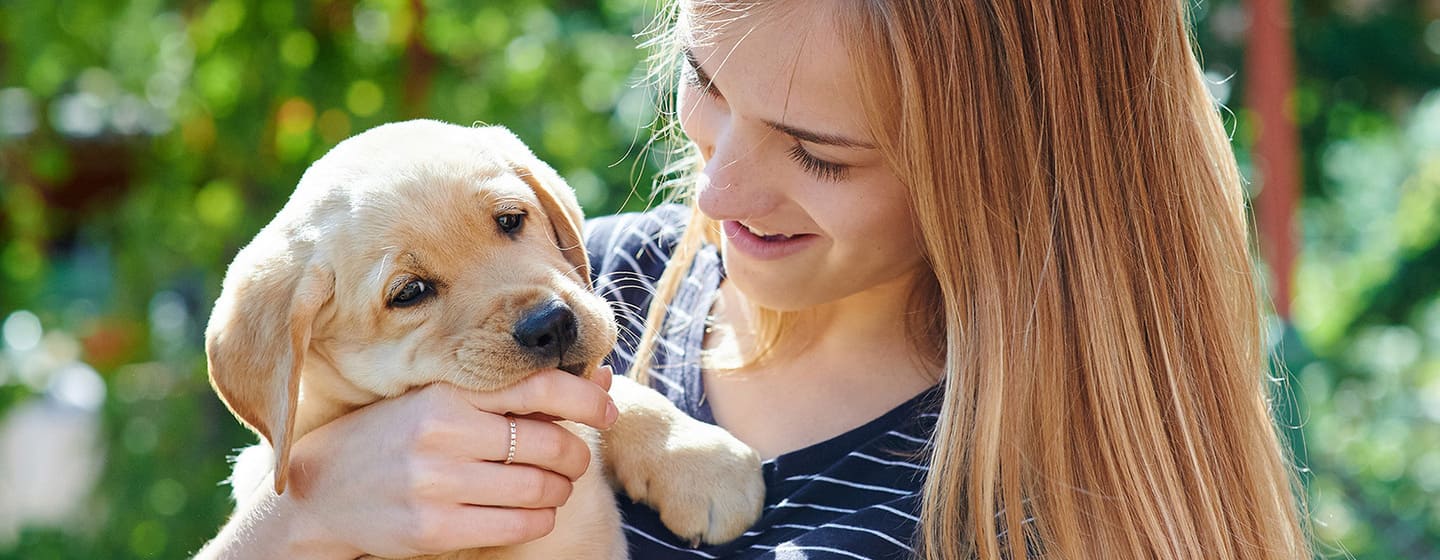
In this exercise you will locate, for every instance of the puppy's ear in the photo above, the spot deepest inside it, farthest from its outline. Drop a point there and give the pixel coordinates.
(257, 339)
(559, 204)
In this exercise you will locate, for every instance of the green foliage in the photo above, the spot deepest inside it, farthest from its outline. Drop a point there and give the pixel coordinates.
(143, 142)
(1363, 348)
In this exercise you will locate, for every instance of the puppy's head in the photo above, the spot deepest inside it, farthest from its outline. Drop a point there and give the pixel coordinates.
(412, 253)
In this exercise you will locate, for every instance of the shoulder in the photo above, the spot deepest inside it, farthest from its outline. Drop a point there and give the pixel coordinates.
(636, 242)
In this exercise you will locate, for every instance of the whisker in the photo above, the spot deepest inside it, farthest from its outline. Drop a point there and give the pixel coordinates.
(625, 306)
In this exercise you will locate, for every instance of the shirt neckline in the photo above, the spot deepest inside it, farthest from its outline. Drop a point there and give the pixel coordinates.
(697, 299)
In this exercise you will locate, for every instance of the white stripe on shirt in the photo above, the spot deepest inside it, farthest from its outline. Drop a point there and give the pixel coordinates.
(891, 463)
(822, 478)
(665, 544)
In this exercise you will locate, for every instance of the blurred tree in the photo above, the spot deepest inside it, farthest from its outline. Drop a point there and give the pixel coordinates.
(145, 142)
(1366, 323)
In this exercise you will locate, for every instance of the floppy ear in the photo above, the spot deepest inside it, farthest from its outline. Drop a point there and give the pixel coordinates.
(257, 339)
(559, 204)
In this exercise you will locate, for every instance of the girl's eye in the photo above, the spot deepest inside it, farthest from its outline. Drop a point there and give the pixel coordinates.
(414, 292)
(821, 169)
(510, 223)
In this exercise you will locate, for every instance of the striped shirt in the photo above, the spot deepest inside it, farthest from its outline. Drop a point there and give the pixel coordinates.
(853, 496)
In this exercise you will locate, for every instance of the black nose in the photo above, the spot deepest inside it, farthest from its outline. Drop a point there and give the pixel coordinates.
(548, 329)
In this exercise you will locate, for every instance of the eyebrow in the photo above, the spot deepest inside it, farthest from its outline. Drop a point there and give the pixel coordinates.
(811, 136)
(819, 137)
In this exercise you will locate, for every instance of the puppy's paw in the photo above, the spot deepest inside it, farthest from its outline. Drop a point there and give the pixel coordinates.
(706, 485)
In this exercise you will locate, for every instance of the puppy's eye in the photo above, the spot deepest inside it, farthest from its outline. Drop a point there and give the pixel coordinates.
(510, 223)
(414, 291)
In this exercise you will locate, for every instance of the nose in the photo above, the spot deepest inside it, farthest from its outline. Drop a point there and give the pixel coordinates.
(735, 184)
(738, 182)
(547, 329)
(727, 190)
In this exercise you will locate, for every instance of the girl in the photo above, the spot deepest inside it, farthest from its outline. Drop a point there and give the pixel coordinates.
(973, 277)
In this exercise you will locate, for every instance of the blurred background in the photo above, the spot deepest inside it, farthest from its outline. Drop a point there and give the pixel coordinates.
(143, 142)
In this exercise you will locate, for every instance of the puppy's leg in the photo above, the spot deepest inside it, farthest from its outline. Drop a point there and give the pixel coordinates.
(705, 484)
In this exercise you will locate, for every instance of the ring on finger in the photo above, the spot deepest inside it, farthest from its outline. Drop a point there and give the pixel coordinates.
(510, 456)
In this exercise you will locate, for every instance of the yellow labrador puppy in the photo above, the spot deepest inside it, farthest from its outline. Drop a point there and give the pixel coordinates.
(422, 252)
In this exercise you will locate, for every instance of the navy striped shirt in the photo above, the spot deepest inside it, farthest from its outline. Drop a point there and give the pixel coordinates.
(853, 496)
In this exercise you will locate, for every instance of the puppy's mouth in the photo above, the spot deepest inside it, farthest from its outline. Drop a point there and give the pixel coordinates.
(576, 369)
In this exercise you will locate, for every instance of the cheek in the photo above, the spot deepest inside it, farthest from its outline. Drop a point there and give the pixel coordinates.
(871, 219)
(894, 224)
(382, 367)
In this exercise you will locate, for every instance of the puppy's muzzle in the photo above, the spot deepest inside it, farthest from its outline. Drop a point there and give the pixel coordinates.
(547, 330)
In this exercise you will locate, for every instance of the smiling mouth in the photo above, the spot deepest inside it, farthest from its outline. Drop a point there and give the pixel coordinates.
(764, 245)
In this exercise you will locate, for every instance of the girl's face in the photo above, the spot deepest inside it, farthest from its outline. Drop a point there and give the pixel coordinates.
(810, 212)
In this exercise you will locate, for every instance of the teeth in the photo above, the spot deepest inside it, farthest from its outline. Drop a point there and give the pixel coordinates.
(759, 233)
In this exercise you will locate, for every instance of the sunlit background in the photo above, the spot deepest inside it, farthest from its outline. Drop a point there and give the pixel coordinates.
(143, 142)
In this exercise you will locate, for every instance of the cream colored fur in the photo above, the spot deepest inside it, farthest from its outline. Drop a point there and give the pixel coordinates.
(302, 332)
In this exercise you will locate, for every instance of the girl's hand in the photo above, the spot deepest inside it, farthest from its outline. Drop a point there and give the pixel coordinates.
(424, 473)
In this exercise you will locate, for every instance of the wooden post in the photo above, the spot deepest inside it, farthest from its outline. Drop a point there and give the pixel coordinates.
(1270, 78)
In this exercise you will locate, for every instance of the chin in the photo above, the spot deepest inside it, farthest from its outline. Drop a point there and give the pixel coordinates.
(779, 294)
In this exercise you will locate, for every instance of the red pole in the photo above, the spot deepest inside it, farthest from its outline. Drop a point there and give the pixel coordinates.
(1270, 69)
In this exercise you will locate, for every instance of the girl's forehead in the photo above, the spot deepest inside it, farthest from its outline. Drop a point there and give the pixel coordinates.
(785, 63)
(705, 21)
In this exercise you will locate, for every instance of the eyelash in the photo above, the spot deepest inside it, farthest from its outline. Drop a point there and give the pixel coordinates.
(824, 170)
(692, 78)
(821, 169)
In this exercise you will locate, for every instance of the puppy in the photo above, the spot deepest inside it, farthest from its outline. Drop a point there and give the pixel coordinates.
(422, 252)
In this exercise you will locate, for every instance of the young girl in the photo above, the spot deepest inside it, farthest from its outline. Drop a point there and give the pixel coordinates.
(973, 277)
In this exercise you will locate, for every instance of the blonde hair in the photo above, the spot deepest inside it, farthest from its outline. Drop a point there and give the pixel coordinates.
(1093, 294)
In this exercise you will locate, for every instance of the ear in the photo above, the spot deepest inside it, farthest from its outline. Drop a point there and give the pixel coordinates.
(258, 336)
(559, 204)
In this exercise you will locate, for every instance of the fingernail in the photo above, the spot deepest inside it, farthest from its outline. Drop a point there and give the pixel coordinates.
(608, 369)
(611, 414)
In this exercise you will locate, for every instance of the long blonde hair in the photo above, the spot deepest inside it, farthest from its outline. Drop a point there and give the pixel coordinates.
(1093, 294)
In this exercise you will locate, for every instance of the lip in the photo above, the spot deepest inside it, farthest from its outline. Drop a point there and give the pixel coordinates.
(741, 239)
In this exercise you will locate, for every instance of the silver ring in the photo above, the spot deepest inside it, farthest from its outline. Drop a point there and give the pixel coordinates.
(510, 457)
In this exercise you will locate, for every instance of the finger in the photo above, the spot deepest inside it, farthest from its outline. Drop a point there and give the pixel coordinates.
(539, 416)
(499, 485)
(465, 527)
(539, 443)
(603, 376)
(553, 392)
